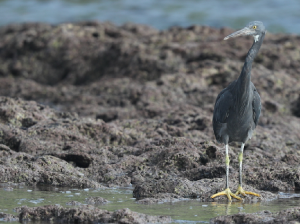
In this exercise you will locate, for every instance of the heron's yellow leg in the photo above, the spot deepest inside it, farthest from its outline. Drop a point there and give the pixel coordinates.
(228, 193)
(241, 191)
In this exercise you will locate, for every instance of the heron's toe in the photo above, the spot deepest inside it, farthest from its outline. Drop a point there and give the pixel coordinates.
(228, 193)
(241, 191)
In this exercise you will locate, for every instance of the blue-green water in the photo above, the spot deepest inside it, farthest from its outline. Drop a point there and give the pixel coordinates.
(186, 211)
(277, 15)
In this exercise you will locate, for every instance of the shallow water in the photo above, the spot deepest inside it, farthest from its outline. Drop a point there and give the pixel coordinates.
(181, 212)
(277, 15)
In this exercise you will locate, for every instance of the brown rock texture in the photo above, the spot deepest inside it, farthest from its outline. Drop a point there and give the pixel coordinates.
(86, 214)
(8, 217)
(290, 216)
(96, 201)
(95, 105)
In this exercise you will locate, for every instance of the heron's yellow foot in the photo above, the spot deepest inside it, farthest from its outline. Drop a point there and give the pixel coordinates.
(228, 193)
(241, 191)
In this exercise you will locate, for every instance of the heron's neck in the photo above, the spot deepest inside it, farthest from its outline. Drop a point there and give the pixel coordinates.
(244, 79)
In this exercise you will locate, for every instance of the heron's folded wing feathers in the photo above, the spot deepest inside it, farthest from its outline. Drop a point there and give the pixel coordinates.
(256, 106)
(222, 108)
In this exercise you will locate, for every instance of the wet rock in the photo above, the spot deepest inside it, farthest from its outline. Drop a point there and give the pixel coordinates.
(296, 107)
(23, 114)
(291, 215)
(73, 203)
(96, 201)
(161, 198)
(82, 160)
(102, 54)
(271, 106)
(135, 152)
(86, 214)
(291, 159)
(201, 189)
(22, 167)
(8, 217)
(91, 104)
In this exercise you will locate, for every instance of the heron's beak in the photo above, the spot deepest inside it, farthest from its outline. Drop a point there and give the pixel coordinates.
(243, 32)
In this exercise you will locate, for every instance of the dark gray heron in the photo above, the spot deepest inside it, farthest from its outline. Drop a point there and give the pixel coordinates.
(238, 106)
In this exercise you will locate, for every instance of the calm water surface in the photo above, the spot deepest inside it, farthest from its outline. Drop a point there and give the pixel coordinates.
(181, 212)
(278, 15)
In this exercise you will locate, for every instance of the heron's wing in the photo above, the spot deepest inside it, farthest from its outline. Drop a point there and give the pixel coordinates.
(224, 103)
(256, 105)
(222, 106)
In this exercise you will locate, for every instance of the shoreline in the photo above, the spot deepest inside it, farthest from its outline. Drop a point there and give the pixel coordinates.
(92, 104)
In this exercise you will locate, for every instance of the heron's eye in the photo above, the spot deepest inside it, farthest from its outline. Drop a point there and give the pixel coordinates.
(254, 27)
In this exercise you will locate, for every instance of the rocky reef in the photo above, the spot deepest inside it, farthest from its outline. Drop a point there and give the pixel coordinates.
(86, 214)
(95, 105)
(290, 216)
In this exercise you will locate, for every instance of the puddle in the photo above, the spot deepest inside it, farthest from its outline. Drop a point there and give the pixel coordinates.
(187, 211)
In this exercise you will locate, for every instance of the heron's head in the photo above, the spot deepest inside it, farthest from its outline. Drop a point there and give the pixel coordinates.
(256, 29)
